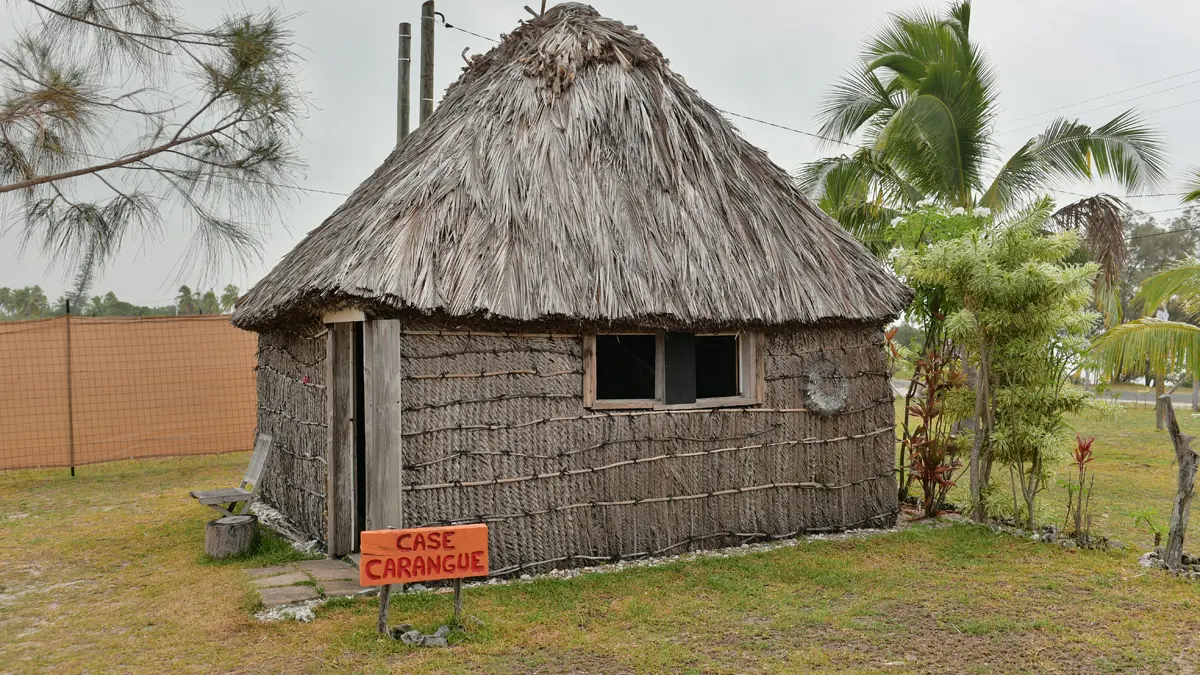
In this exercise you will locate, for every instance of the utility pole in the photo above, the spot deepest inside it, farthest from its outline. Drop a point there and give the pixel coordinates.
(427, 23)
(403, 84)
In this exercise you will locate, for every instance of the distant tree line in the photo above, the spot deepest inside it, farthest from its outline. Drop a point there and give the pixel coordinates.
(30, 302)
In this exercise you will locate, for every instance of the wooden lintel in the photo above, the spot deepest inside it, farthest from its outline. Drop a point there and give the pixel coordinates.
(344, 316)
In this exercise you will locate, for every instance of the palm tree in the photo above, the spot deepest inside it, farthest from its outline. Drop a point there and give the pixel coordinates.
(186, 301)
(1167, 346)
(923, 101)
(228, 298)
(209, 304)
(29, 303)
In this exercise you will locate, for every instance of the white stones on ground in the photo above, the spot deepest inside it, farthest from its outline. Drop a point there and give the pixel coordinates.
(415, 638)
(416, 588)
(282, 526)
(280, 599)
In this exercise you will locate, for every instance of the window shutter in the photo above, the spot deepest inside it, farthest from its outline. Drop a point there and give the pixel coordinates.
(680, 362)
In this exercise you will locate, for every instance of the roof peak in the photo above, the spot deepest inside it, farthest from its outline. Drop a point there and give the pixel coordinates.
(556, 46)
(570, 173)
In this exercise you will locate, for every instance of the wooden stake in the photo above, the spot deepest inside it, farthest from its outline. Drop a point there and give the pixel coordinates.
(427, 24)
(403, 70)
(70, 396)
(1181, 511)
(458, 600)
(385, 592)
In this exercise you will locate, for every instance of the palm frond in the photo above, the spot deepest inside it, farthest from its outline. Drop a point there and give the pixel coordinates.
(859, 191)
(1167, 345)
(1021, 175)
(1192, 186)
(1125, 149)
(853, 102)
(1101, 219)
(1180, 283)
(1108, 301)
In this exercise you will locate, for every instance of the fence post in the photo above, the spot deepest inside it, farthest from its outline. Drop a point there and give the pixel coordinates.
(70, 398)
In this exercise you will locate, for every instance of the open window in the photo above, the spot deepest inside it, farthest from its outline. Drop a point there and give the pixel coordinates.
(666, 370)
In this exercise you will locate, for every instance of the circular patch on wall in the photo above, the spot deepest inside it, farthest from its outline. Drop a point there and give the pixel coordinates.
(826, 388)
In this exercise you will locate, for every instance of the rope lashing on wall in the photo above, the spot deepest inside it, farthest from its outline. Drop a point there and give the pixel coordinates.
(497, 518)
(294, 380)
(493, 373)
(825, 350)
(497, 351)
(460, 454)
(805, 375)
(659, 458)
(492, 399)
(293, 357)
(638, 413)
(291, 418)
(311, 458)
(299, 488)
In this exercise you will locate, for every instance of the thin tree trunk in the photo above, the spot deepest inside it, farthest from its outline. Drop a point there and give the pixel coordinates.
(982, 432)
(902, 488)
(1160, 388)
(1195, 394)
(1187, 459)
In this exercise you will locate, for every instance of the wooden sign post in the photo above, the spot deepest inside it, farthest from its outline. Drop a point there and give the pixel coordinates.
(422, 554)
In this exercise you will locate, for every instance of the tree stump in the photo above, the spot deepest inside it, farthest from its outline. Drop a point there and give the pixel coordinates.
(230, 536)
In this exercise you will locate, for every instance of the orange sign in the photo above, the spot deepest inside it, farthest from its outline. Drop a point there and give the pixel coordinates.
(423, 554)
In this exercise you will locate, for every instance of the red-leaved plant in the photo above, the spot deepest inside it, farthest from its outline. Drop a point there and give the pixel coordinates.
(933, 452)
(1079, 499)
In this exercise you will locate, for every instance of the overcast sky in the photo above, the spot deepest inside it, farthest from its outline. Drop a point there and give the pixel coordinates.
(769, 59)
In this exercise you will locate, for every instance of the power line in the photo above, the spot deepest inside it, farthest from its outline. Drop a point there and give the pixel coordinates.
(464, 30)
(1163, 233)
(1114, 93)
(787, 128)
(1109, 105)
(1177, 105)
(451, 26)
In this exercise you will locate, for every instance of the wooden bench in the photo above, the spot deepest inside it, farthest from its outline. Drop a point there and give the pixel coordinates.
(225, 500)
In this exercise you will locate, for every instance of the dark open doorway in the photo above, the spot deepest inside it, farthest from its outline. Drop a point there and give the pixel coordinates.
(360, 438)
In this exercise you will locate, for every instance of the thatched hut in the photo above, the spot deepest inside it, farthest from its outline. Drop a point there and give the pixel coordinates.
(578, 306)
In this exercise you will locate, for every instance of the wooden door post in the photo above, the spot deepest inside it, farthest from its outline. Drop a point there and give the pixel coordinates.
(384, 452)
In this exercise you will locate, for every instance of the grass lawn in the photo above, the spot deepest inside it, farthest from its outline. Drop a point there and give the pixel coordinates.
(103, 572)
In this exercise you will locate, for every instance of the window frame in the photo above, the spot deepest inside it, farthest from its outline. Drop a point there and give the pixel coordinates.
(751, 376)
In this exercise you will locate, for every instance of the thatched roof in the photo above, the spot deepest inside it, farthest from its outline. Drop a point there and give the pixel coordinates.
(570, 174)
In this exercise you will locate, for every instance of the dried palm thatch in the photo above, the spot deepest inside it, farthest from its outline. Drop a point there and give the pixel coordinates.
(569, 173)
(1101, 219)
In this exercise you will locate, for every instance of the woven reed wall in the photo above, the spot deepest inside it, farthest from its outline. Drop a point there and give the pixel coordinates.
(291, 407)
(560, 485)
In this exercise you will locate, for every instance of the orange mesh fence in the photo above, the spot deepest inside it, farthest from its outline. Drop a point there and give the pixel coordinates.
(76, 390)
